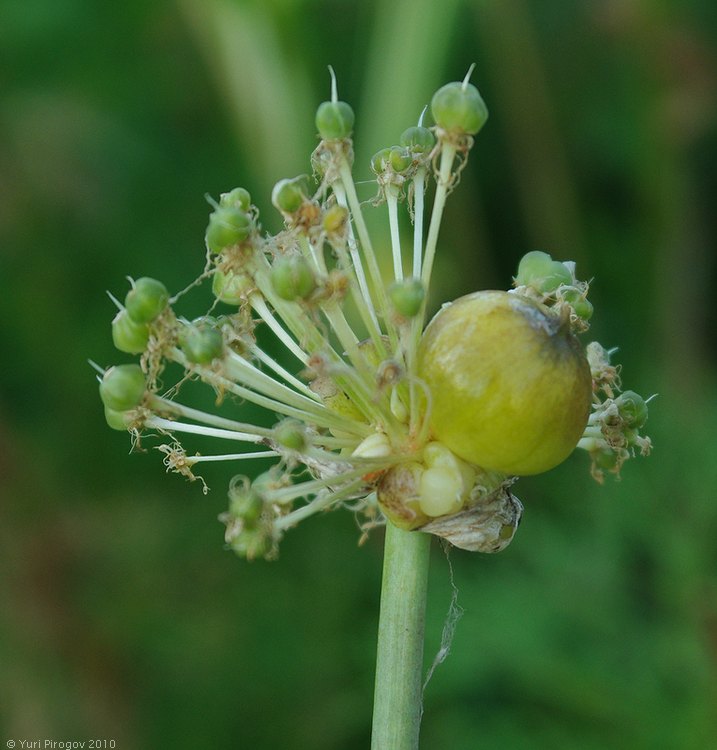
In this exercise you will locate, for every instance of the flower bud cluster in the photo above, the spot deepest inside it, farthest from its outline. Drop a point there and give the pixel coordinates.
(396, 166)
(554, 284)
(613, 434)
(246, 532)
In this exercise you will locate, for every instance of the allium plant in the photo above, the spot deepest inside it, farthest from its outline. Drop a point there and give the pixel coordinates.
(423, 431)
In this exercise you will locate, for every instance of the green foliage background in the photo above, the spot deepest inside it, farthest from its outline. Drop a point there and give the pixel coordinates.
(121, 616)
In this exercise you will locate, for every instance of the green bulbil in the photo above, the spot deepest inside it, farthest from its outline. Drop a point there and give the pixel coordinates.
(290, 434)
(633, 409)
(581, 306)
(251, 542)
(146, 300)
(117, 420)
(418, 139)
(335, 219)
(380, 160)
(538, 270)
(400, 159)
(128, 336)
(289, 195)
(237, 198)
(202, 344)
(245, 503)
(407, 296)
(458, 107)
(557, 274)
(122, 387)
(227, 226)
(231, 288)
(265, 482)
(532, 265)
(334, 120)
(396, 159)
(292, 278)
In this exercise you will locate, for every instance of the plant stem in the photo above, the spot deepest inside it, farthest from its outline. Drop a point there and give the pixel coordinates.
(399, 662)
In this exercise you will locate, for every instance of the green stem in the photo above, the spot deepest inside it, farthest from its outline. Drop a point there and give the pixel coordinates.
(399, 662)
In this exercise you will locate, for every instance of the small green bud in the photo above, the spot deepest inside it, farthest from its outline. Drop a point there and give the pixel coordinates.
(227, 227)
(146, 300)
(292, 278)
(335, 219)
(558, 274)
(202, 344)
(581, 306)
(290, 434)
(251, 542)
(407, 296)
(380, 160)
(532, 265)
(459, 107)
(123, 387)
(539, 270)
(237, 198)
(265, 482)
(117, 420)
(244, 502)
(396, 159)
(289, 195)
(633, 409)
(400, 159)
(231, 288)
(128, 336)
(418, 139)
(334, 120)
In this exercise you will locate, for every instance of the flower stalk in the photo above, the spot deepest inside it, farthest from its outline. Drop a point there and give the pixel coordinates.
(397, 705)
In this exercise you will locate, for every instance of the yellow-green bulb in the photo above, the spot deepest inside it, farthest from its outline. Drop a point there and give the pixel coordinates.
(510, 385)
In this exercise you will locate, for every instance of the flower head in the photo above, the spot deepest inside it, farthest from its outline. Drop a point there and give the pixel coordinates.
(427, 431)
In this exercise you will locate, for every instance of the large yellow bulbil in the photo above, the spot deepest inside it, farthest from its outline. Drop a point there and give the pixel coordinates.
(511, 387)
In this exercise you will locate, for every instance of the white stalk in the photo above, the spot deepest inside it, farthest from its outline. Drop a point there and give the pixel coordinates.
(322, 417)
(340, 194)
(264, 358)
(448, 154)
(268, 317)
(419, 185)
(367, 313)
(169, 425)
(320, 502)
(173, 407)
(367, 247)
(231, 457)
(311, 487)
(392, 203)
(238, 368)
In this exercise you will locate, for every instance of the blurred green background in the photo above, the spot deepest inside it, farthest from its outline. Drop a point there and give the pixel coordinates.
(121, 615)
